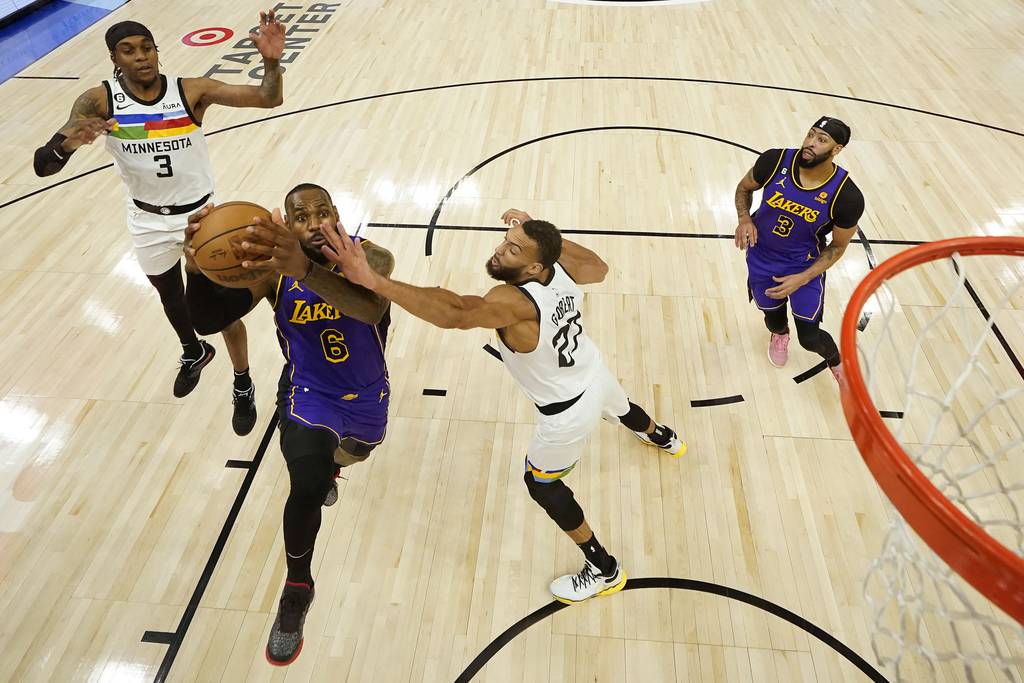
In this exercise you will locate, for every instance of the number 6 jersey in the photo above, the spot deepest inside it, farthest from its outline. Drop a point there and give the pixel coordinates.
(158, 146)
(327, 351)
(565, 361)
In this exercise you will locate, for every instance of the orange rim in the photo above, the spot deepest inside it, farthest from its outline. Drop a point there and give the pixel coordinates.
(994, 570)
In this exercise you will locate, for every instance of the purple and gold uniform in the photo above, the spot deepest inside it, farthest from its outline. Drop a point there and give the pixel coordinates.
(791, 223)
(335, 377)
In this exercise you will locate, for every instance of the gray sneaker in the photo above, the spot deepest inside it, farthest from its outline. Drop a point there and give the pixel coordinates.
(285, 642)
(332, 494)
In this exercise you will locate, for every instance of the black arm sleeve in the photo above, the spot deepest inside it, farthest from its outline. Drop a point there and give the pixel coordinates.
(212, 307)
(766, 165)
(51, 157)
(849, 206)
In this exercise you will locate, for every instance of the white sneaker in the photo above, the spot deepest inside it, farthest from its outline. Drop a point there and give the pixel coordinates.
(675, 446)
(587, 583)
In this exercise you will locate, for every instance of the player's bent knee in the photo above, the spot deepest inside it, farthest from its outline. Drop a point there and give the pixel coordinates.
(557, 500)
(351, 451)
(310, 477)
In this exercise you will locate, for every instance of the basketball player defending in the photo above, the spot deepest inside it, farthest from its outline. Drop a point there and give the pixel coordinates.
(152, 123)
(537, 313)
(806, 196)
(333, 394)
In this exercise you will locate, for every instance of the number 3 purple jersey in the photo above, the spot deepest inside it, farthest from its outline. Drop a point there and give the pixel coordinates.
(327, 352)
(792, 221)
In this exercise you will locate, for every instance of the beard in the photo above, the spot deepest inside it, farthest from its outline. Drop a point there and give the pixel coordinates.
(314, 254)
(812, 162)
(501, 273)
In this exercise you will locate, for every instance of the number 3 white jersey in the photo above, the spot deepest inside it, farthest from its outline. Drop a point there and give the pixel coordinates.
(566, 361)
(158, 146)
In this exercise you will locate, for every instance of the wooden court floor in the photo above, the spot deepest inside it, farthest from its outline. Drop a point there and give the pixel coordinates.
(129, 516)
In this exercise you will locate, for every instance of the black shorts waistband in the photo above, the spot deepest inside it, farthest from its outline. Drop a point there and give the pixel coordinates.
(560, 407)
(171, 210)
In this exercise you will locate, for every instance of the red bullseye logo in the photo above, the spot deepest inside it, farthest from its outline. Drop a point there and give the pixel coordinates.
(207, 36)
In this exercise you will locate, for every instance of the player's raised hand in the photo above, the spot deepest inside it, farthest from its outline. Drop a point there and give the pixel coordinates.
(269, 37)
(348, 254)
(85, 131)
(515, 217)
(191, 229)
(274, 246)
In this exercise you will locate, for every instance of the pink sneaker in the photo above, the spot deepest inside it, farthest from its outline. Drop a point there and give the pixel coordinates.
(837, 372)
(778, 349)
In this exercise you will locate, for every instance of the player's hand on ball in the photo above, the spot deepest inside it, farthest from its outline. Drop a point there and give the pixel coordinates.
(746, 234)
(191, 229)
(348, 254)
(273, 245)
(515, 217)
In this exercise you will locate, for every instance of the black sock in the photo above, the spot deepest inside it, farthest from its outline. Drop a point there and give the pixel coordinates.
(660, 435)
(192, 350)
(300, 568)
(242, 381)
(597, 555)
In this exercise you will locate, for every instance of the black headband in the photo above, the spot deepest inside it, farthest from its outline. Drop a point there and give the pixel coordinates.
(837, 130)
(125, 29)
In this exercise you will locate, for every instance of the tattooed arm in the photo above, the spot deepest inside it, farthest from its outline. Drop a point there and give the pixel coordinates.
(351, 299)
(86, 123)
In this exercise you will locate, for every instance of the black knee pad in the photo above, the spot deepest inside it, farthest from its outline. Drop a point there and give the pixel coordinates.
(777, 319)
(809, 335)
(357, 449)
(557, 500)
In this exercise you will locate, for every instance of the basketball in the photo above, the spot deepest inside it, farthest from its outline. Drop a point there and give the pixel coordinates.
(218, 244)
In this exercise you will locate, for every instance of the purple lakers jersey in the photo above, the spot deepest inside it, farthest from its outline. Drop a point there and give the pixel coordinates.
(792, 221)
(326, 351)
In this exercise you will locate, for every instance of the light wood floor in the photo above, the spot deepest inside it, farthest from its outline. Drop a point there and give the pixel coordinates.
(113, 493)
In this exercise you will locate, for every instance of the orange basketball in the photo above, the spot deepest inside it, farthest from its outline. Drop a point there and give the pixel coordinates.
(218, 244)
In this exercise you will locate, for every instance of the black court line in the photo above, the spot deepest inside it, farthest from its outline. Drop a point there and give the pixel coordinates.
(807, 374)
(602, 232)
(898, 414)
(159, 637)
(429, 241)
(435, 392)
(178, 637)
(538, 79)
(239, 464)
(708, 402)
(995, 328)
(45, 78)
(679, 584)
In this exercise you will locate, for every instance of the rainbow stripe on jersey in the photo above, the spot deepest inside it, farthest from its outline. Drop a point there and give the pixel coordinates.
(148, 126)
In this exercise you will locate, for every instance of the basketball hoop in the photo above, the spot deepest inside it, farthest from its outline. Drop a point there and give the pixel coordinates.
(947, 503)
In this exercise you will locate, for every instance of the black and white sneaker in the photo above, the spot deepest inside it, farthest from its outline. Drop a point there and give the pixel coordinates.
(244, 415)
(587, 583)
(285, 642)
(191, 368)
(674, 446)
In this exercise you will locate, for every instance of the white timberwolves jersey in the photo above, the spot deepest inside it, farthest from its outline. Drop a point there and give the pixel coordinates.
(566, 361)
(158, 146)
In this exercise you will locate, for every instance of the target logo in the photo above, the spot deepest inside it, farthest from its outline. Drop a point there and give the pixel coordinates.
(207, 36)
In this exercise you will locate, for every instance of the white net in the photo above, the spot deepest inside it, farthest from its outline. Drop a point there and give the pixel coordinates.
(941, 348)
